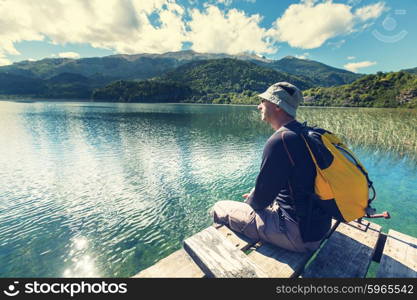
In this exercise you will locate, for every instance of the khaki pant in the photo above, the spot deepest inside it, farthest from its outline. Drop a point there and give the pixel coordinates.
(265, 225)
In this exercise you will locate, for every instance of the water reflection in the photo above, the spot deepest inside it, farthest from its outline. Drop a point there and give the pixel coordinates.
(81, 263)
(89, 190)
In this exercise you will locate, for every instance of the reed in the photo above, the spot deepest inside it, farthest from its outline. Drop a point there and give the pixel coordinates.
(377, 129)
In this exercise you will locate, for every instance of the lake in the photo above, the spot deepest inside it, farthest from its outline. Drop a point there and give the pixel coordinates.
(107, 189)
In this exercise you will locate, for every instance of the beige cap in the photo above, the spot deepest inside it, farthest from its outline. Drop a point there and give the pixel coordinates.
(286, 95)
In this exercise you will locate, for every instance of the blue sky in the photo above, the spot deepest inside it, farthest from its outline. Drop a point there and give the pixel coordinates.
(363, 36)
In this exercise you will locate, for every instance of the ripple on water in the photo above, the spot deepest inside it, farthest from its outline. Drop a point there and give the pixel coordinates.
(107, 192)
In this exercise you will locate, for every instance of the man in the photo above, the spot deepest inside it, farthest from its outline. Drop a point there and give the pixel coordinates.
(281, 208)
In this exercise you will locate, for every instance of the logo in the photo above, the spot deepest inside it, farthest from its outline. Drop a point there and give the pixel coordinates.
(11, 291)
(390, 24)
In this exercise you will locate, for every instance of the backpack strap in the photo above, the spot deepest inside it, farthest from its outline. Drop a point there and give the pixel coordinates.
(291, 161)
(310, 199)
(286, 148)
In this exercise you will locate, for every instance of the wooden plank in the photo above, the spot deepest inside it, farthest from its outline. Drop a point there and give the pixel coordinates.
(281, 263)
(347, 253)
(238, 240)
(180, 265)
(218, 257)
(278, 262)
(177, 265)
(399, 257)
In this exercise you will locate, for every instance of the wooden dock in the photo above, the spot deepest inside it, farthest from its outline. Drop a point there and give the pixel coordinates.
(346, 252)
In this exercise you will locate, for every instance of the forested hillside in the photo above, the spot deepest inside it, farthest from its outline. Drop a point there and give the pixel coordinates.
(100, 71)
(394, 89)
(210, 81)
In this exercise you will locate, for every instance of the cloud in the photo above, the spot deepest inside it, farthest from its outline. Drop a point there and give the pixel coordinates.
(303, 56)
(370, 12)
(158, 26)
(69, 55)
(351, 57)
(311, 23)
(233, 32)
(353, 67)
(225, 2)
(229, 2)
(124, 26)
(130, 26)
(337, 45)
(4, 61)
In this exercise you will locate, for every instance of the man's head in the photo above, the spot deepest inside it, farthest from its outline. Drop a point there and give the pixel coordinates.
(280, 99)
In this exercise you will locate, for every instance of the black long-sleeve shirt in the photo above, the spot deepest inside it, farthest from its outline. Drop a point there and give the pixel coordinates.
(287, 176)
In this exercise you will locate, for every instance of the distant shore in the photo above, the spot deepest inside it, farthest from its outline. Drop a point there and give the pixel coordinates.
(34, 100)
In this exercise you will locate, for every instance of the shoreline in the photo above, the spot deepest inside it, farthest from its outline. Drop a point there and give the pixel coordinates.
(43, 100)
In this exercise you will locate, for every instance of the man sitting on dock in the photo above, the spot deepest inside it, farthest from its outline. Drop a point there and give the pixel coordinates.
(280, 209)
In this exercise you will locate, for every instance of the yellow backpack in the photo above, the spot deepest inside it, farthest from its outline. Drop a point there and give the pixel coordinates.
(342, 183)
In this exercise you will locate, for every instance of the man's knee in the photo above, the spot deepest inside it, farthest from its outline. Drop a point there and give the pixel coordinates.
(221, 211)
(236, 215)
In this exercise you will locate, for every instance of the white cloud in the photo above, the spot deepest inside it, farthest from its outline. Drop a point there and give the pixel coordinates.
(338, 44)
(225, 2)
(69, 55)
(353, 67)
(310, 23)
(303, 56)
(229, 32)
(124, 26)
(4, 61)
(351, 57)
(370, 12)
(157, 26)
(130, 26)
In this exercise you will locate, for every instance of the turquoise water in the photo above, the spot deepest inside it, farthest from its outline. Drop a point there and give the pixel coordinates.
(106, 190)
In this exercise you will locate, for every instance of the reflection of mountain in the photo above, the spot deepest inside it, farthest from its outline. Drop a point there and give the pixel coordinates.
(76, 78)
(136, 179)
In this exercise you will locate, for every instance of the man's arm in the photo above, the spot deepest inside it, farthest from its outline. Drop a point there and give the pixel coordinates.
(275, 171)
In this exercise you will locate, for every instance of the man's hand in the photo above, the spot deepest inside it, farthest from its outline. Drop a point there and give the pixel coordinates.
(246, 196)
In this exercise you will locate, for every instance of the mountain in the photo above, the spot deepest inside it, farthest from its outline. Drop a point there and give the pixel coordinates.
(230, 75)
(412, 71)
(212, 77)
(223, 80)
(137, 66)
(12, 84)
(145, 66)
(143, 91)
(116, 67)
(64, 85)
(319, 73)
(394, 89)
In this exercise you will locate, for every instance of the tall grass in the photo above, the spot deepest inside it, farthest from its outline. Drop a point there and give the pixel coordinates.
(391, 130)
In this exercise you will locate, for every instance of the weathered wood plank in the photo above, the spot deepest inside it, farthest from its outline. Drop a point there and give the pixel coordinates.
(218, 257)
(177, 265)
(281, 263)
(278, 262)
(180, 265)
(238, 240)
(347, 253)
(399, 258)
